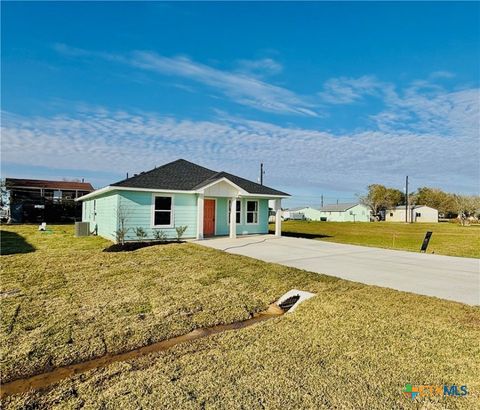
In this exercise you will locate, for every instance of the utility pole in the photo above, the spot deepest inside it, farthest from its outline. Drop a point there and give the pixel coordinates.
(321, 200)
(406, 200)
(261, 173)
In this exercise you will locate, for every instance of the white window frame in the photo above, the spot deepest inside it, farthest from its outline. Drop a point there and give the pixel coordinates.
(247, 211)
(239, 201)
(172, 213)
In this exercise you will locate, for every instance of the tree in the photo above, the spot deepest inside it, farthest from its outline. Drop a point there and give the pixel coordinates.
(122, 230)
(380, 198)
(467, 207)
(394, 197)
(436, 198)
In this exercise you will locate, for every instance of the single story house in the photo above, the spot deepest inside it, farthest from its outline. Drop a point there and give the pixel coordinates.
(416, 213)
(293, 214)
(182, 193)
(351, 212)
(304, 212)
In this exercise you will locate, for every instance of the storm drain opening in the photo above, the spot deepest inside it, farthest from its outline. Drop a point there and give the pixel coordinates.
(290, 300)
(289, 303)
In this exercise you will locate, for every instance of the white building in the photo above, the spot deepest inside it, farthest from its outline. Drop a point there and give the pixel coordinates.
(351, 212)
(416, 213)
(294, 214)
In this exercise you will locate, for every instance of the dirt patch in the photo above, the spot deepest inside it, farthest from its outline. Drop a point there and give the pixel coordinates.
(133, 246)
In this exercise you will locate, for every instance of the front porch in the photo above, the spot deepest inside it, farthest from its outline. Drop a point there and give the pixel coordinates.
(224, 209)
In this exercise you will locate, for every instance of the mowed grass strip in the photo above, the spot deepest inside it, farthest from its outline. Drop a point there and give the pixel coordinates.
(351, 347)
(447, 239)
(67, 301)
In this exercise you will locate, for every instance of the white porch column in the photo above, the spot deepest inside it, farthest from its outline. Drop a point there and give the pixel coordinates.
(233, 217)
(278, 217)
(200, 216)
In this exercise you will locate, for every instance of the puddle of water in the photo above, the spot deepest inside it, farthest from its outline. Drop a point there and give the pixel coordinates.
(43, 380)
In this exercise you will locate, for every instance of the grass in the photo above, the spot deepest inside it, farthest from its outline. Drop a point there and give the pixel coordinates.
(352, 346)
(447, 239)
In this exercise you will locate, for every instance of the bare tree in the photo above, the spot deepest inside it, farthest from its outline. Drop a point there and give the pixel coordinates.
(467, 207)
(122, 230)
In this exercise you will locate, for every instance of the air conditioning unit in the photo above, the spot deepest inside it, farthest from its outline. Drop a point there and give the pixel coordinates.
(82, 229)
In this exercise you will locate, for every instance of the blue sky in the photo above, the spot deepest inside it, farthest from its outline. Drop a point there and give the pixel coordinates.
(330, 96)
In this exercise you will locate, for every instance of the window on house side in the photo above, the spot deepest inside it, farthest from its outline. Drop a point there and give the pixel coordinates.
(238, 211)
(252, 212)
(162, 214)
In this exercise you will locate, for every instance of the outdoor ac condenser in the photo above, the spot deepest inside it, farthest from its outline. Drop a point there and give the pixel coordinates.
(82, 229)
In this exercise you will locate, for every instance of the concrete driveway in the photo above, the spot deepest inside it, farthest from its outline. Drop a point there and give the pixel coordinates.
(446, 277)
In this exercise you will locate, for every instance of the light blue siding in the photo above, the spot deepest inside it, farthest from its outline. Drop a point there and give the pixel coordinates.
(101, 212)
(138, 207)
(222, 224)
(358, 213)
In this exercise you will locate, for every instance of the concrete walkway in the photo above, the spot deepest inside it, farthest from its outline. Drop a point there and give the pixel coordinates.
(446, 277)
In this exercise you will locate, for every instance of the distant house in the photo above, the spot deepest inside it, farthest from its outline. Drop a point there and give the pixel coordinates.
(350, 212)
(416, 213)
(38, 200)
(182, 194)
(304, 212)
(294, 214)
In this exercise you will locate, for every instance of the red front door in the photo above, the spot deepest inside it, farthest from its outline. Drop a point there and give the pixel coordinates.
(209, 217)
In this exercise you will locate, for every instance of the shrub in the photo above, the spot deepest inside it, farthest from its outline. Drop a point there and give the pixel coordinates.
(159, 235)
(140, 232)
(180, 231)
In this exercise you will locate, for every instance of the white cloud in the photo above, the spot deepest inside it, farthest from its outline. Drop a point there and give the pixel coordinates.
(441, 74)
(261, 67)
(428, 108)
(346, 90)
(296, 158)
(242, 88)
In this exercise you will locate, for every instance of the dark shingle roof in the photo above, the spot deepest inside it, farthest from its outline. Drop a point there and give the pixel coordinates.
(183, 175)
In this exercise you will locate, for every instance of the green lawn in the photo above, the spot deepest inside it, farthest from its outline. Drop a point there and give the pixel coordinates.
(352, 346)
(447, 239)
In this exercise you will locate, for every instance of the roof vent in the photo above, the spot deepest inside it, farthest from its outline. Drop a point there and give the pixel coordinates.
(290, 300)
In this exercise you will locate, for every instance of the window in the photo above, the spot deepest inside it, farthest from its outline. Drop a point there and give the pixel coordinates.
(57, 196)
(238, 211)
(391, 213)
(252, 212)
(162, 211)
(418, 214)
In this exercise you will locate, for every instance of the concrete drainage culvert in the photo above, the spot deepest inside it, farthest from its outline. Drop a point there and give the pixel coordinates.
(292, 299)
(287, 303)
